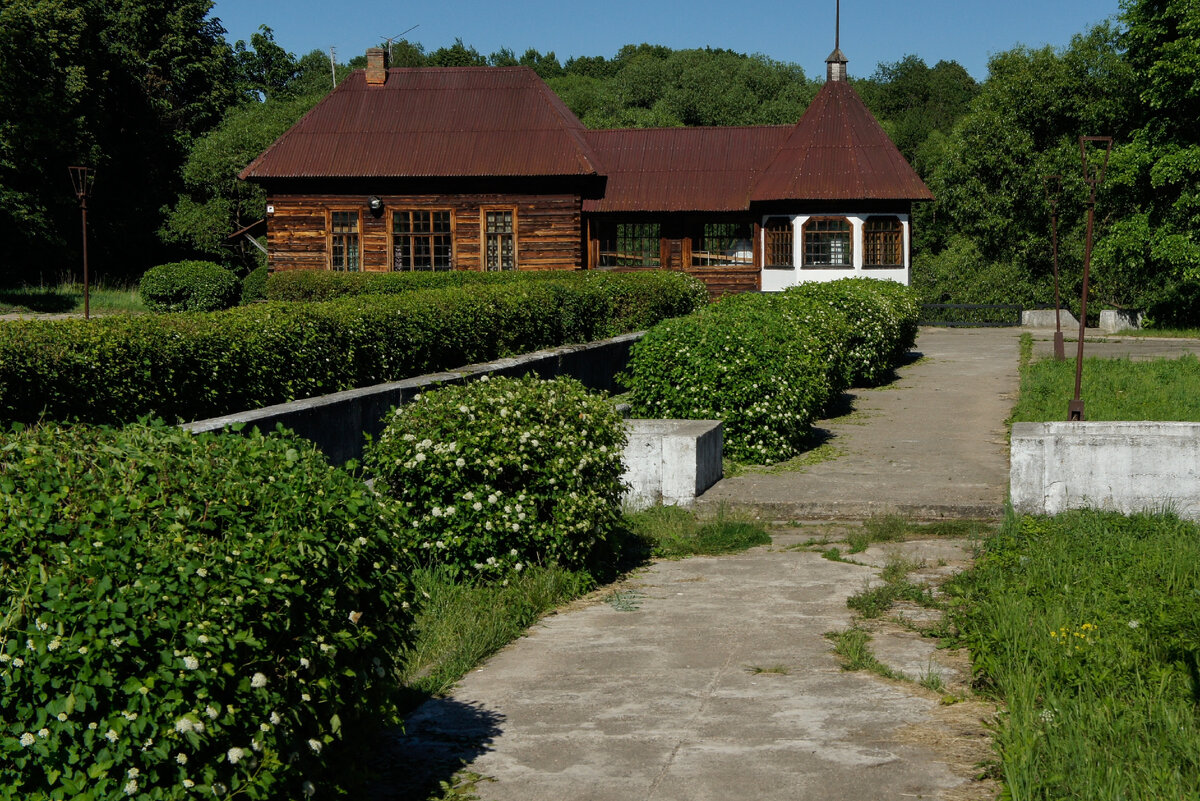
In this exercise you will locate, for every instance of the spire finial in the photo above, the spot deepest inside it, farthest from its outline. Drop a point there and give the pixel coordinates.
(835, 65)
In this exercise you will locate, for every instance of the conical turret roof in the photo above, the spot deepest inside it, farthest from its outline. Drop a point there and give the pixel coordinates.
(838, 151)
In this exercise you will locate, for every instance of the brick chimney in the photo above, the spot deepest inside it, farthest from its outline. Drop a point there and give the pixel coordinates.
(377, 63)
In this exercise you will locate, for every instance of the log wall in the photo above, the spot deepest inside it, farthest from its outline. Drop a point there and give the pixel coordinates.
(547, 228)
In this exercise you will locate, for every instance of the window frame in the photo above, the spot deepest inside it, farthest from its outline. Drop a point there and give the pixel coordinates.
(483, 238)
(648, 234)
(719, 259)
(806, 243)
(773, 248)
(898, 242)
(331, 236)
(393, 214)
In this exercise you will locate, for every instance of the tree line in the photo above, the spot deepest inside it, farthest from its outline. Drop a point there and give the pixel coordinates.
(169, 112)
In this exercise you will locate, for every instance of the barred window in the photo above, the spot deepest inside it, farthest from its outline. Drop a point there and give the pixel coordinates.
(499, 240)
(421, 240)
(344, 252)
(883, 242)
(828, 243)
(778, 239)
(630, 245)
(723, 245)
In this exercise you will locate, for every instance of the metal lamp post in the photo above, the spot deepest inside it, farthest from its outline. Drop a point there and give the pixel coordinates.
(1053, 185)
(82, 179)
(1092, 176)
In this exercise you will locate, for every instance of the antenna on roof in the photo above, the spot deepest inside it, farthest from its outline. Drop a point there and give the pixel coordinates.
(388, 41)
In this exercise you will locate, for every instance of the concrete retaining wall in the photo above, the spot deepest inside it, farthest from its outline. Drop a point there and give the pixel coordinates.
(671, 461)
(1122, 466)
(1044, 318)
(337, 422)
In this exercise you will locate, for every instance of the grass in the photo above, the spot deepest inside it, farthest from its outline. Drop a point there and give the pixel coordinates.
(853, 646)
(67, 298)
(1086, 628)
(775, 670)
(1163, 333)
(1114, 389)
(895, 528)
(873, 601)
(675, 533)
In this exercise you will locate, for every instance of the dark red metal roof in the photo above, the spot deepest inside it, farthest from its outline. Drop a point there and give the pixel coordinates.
(682, 169)
(463, 121)
(838, 151)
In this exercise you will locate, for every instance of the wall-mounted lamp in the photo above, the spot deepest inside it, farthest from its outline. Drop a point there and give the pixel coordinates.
(375, 203)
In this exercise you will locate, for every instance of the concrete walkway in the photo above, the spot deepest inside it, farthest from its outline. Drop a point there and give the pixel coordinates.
(713, 678)
(931, 444)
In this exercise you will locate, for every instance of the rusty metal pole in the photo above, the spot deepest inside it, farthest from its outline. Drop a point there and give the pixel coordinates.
(1053, 184)
(82, 179)
(1075, 407)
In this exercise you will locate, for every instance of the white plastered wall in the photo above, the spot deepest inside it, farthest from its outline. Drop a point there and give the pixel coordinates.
(775, 280)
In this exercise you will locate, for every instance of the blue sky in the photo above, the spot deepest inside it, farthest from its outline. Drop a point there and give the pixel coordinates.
(800, 31)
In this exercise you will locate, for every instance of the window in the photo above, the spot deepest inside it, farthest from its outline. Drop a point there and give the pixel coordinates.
(723, 245)
(778, 239)
(421, 240)
(883, 239)
(630, 245)
(828, 243)
(499, 240)
(344, 253)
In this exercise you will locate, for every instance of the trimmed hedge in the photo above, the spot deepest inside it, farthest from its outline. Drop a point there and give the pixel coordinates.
(742, 365)
(500, 473)
(188, 615)
(254, 286)
(768, 364)
(189, 286)
(193, 366)
(318, 285)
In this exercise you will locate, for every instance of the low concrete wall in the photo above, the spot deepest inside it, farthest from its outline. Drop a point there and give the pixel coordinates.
(337, 422)
(671, 461)
(1114, 320)
(1044, 318)
(1122, 466)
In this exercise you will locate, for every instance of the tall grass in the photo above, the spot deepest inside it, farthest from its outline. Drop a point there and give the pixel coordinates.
(1086, 627)
(67, 298)
(1113, 389)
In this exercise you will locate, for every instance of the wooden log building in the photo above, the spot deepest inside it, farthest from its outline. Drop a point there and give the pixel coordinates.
(483, 168)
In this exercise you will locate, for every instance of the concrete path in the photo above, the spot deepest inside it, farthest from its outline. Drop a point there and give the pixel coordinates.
(709, 678)
(932, 444)
(713, 678)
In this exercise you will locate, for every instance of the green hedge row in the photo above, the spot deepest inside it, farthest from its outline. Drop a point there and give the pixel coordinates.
(189, 615)
(768, 364)
(316, 285)
(193, 366)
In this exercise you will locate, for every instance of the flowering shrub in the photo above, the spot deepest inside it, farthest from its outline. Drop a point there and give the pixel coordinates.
(881, 317)
(742, 364)
(186, 616)
(189, 286)
(502, 472)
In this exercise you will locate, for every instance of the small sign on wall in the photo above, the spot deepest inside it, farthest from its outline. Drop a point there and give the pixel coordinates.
(270, 209)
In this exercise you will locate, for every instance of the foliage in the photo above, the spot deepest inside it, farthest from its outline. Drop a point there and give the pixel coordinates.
(1115, 389)
(765, 379)
(189, 286)
(1085, 627)
(635, 300)
(187, 614)
(767, 364)
(497, 474)
(254, 285)
(881, 319)
(194, 366)
(120, 87)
